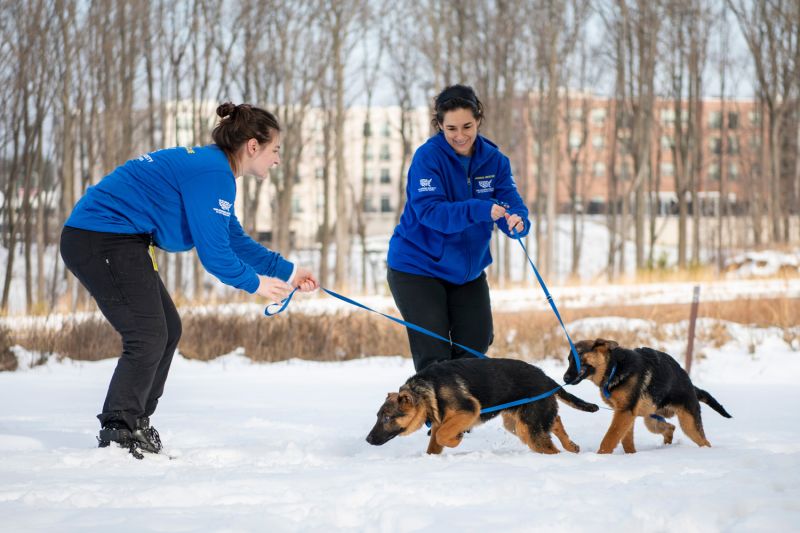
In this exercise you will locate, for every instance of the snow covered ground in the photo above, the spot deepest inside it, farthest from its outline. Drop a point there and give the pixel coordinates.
(280, 447)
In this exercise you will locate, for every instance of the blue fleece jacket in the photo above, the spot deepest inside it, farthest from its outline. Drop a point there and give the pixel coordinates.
(446, 225)
(183, 197)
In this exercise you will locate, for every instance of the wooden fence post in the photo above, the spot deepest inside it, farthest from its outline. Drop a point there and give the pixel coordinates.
(692, 320)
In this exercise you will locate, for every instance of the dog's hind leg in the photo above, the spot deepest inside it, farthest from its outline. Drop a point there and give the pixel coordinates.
(627, 440)
(561, 434)
(538, 441)
(620, 425)
(660, 427)
(510, 421)
(692, 425)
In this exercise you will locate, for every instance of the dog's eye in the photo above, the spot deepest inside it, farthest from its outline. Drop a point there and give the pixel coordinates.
(386, 419)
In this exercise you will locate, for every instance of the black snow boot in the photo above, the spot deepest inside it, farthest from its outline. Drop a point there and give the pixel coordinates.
(142, 438)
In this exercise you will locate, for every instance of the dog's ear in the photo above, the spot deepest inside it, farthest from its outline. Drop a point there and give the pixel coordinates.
(607, 345)
(583, 346)
(406, 400)
(391, 397)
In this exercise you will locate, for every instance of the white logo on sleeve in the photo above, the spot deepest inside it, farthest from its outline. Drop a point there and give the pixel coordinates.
(425, 185)
(226, 208)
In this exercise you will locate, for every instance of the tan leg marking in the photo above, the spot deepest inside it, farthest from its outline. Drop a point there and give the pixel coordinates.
(510, 422)
(691, 427)
(620, 425)
(542, 443)
(453, 426)
(660, 428)
(434, 448)
(561, 434)
(627, 440)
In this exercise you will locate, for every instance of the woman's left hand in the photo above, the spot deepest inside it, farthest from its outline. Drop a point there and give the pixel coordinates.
(304, 280)
(515, 222)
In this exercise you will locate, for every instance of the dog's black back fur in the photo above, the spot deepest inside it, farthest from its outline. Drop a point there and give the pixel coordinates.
(669, 383)
(491, 381)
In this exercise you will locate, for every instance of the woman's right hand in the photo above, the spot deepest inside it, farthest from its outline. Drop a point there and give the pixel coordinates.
(273, 289)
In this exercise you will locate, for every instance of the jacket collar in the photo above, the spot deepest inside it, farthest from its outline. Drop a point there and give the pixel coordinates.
(484, 148)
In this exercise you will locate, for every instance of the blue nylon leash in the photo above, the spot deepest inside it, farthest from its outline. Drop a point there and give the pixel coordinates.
(606, 392)
(284, 303)
(420, 329)
(549, 300)
(409, 325)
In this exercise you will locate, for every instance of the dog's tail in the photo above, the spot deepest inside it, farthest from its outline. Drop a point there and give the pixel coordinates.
(574, 401)
(709, 400)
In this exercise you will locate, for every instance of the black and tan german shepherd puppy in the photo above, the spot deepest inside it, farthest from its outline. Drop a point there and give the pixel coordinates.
(451, 395)
(641, 382)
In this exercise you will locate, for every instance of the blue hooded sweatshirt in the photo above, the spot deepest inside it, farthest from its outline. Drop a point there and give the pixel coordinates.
(447, 224)
(183, 198)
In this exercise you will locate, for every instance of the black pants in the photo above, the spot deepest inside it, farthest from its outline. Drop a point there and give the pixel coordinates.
(462, 313)
(118, 272)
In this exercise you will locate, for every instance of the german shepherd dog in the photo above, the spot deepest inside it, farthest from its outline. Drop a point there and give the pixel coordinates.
(641, 382)
(451, 395)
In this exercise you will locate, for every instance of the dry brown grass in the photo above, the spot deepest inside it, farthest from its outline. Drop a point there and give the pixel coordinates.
(529, 335)
(85, 340)
(8, 361)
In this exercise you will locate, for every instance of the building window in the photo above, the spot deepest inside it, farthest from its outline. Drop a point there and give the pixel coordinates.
(297, 207)
(733, 120)
(715, 145)
(368, 152)
(387, 129)
(754, 117)
(385, 152)
(733, 144)
(715, 120)
(667, 142)
(668, 116)
(599, 169)
(598, 141)
(733, 172)
(575, 140)
(367, 129)
(667, 169)
(369, 175)
(598, 115)
(385, 178)
(319, 173)
(369, 204)
(386, 204)
(713, 172)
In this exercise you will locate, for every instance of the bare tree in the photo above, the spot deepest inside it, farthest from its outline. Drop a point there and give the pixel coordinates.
(771, 30)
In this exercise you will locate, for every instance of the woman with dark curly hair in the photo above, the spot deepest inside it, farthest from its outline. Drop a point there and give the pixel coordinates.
(459, 186)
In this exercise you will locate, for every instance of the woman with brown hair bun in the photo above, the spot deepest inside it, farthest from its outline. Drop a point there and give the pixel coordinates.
(174, 199)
